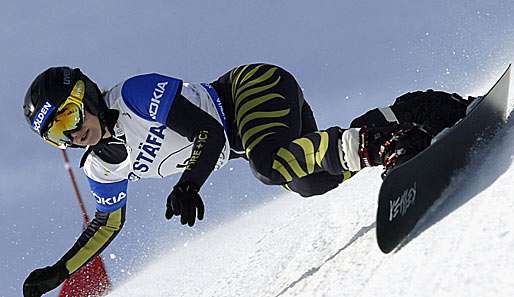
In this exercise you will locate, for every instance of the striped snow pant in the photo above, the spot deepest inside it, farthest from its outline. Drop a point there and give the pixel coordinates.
(279, 134)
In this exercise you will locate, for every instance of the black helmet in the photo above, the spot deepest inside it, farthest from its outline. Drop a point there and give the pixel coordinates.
(50, 89)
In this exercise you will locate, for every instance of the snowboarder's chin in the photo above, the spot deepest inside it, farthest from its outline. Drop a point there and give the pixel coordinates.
(93, 136)
(90, 136)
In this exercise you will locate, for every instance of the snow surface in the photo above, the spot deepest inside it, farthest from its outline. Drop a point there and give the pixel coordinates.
(325, 246)
(349, 56)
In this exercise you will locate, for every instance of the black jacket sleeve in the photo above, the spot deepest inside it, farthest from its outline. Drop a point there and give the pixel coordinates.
(205, 131)
(95, 238)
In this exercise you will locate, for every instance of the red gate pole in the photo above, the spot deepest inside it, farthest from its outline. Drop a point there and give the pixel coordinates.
(83, 210)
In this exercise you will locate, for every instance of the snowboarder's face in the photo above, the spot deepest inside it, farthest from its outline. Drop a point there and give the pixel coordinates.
(90, 133)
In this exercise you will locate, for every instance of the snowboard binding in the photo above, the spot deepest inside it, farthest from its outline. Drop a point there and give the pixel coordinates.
(403, 145)
(392, 145)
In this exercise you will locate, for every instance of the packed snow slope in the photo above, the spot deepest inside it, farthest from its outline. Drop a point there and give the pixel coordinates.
(325, 246)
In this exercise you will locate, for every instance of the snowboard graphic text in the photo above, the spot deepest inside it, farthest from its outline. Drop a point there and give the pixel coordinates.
(401, 204)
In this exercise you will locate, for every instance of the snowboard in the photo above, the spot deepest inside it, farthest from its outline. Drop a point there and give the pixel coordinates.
(410, 189)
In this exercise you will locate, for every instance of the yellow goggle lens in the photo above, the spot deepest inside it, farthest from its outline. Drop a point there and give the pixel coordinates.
(69, 117)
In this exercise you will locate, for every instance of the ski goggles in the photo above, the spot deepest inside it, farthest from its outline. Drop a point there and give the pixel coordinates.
(69, 118)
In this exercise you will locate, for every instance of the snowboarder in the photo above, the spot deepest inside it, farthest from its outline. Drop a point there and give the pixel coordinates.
(153, 125)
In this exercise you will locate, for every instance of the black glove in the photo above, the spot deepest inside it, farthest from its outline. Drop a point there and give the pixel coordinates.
(184, 201)
(43, 280)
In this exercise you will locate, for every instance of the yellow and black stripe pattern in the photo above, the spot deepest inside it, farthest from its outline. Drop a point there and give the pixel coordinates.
(252, 91)
(287, 163)
(267, 116)
(308, 155)
(100, 232)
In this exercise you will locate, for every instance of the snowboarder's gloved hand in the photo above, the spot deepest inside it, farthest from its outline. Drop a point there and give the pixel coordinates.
(184, 201)
(43, 280)
(391, 145)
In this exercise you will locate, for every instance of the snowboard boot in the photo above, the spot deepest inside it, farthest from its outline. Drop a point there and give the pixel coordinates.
(378, 117)
(432, 110)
